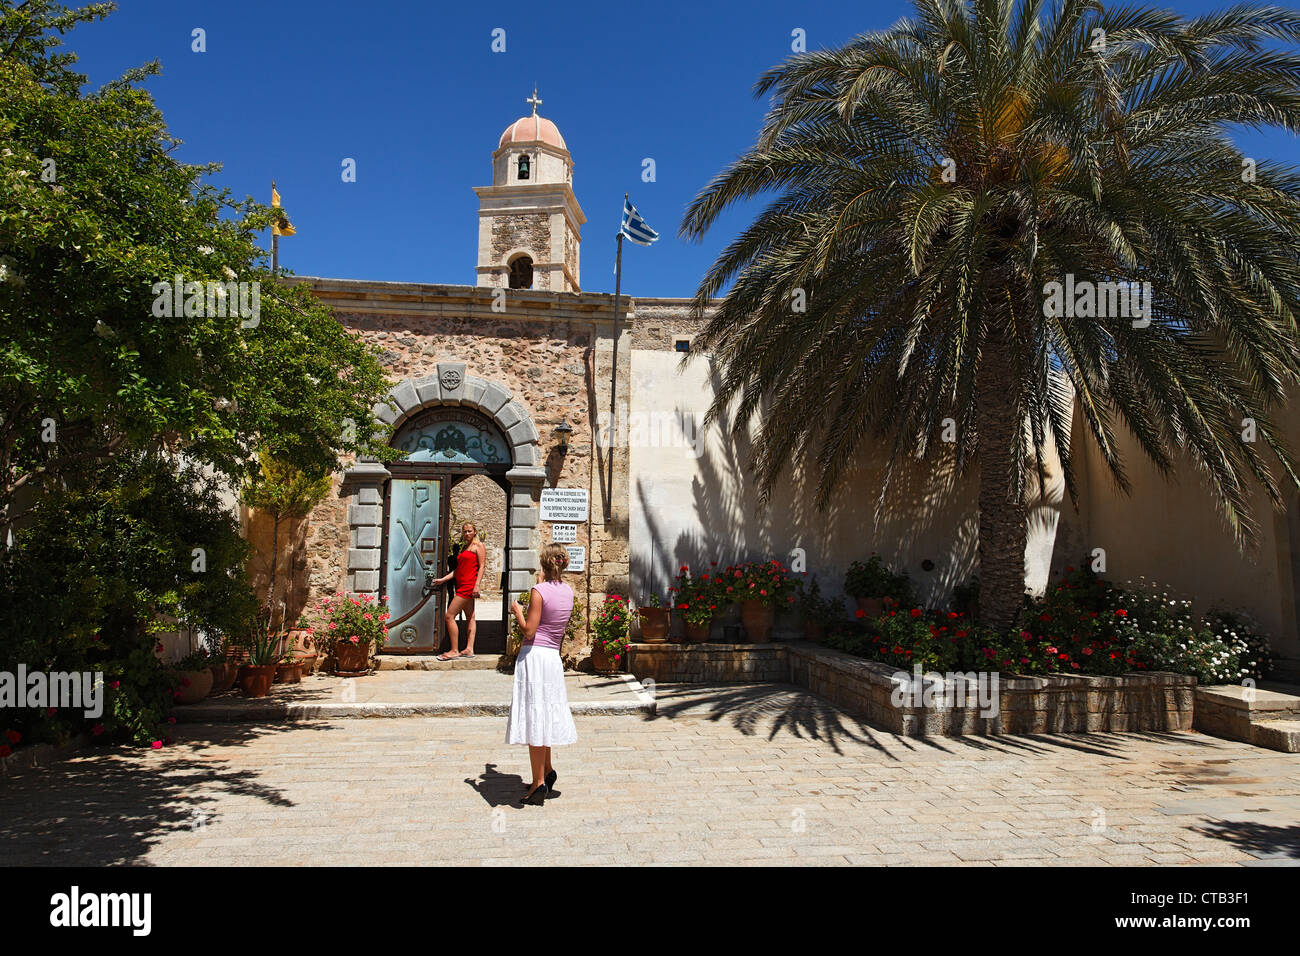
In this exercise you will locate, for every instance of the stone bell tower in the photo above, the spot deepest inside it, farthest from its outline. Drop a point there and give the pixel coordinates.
(529, 221)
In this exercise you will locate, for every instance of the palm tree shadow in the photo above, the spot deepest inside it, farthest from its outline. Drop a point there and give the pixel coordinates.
(928, 518)
(773, 709)
(1258, 839)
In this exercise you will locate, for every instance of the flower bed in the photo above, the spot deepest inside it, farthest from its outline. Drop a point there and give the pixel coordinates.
(1083, 625)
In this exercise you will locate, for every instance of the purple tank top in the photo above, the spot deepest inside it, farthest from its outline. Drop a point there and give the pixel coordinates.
(557, 605)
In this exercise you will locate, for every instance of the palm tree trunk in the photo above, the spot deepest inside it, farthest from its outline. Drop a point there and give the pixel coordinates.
(1003, 517)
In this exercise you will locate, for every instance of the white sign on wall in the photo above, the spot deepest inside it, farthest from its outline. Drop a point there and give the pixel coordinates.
(577, 558)
(564, 533)
(564, 504)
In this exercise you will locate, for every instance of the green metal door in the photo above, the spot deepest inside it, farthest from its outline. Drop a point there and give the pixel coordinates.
(414, 550)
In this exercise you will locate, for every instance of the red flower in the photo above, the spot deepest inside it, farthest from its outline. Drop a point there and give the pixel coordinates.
(156, 745)
(961, 633)
(13, 736)
(97, 729)
(1121, 613)
(861, 613)
(916, 612)
(4, 750)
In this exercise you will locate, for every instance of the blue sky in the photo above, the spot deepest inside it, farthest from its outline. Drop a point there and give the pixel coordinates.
(413, 92)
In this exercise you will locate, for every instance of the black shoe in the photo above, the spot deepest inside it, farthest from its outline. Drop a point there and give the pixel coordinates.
(537, 796)
(550, 780)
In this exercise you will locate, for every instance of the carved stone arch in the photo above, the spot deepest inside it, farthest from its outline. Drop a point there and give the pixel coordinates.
(449, 385)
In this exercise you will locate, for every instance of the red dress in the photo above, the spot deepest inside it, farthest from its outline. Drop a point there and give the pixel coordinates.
(466, 572)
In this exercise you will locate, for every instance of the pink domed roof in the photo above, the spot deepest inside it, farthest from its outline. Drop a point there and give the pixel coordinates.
(532, 129)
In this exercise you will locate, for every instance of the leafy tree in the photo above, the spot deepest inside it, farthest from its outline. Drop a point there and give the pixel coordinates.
(101, 566)
(95, 213)
(932, 179)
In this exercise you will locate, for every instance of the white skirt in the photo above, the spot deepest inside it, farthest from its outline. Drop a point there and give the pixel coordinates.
(539, 712)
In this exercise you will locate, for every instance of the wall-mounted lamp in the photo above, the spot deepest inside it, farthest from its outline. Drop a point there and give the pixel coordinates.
(564, 430)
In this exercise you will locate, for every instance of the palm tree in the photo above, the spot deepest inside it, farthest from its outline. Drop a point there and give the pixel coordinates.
(935, 177)
(283, 492)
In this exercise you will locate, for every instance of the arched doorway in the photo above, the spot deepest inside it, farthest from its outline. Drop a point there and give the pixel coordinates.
(444, 446)
(451, 428)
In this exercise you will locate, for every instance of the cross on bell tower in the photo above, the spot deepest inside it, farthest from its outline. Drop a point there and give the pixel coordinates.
(534, 99)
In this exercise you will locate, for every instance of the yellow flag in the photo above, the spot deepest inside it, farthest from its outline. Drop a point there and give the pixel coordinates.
(283, 228)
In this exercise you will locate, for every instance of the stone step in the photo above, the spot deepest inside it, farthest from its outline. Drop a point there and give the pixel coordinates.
(430, 662)
(1267, 716)
(1283, 735)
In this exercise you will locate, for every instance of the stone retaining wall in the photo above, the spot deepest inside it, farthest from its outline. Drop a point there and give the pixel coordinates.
(710, 663)
(868, 689)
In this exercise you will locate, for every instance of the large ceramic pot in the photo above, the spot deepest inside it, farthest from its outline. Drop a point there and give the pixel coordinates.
(304, 648)
(603, 662)
(288, 673)
(255, 679)
(697, 633)
(223, 677)
(654, 624)
(813, 630)
(758, 619)
(193, 686)
(351, 659)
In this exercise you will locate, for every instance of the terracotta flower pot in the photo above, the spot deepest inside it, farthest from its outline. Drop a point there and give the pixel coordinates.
(697, 633)
(351, 659)
(223, 677)
(654, 624)
(193, 685)
(758, 619)
(256, 679)
(603, 662)
(871, 608)
(288, 673)
(813, 631)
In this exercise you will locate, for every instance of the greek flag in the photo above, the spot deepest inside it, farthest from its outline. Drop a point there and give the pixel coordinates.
(634, 227)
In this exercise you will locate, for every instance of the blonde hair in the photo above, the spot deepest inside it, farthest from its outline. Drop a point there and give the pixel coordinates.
(554, 560)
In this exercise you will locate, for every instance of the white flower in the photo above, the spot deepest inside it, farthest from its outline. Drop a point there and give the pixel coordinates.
(206, 250)
(228, 272)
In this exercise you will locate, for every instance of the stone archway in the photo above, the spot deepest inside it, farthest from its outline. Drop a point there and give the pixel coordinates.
(450, 385)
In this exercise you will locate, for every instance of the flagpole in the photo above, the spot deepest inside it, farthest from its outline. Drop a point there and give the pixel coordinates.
(613, 375)
(275, 245)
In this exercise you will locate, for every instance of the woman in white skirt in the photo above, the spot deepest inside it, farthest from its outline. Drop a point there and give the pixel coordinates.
(539, 713)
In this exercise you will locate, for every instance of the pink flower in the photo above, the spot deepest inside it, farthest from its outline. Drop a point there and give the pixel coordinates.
(156, 745)
(115, 684)
(97, 729)
(354, 639)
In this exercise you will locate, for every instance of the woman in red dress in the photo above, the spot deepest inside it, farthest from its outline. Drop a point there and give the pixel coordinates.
(469, 572)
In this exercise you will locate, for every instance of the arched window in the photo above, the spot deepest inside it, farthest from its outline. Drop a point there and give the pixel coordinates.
(521, 273)
(525, 166)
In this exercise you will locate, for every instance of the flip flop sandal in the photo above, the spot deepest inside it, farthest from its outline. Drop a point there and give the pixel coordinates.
(446, 657)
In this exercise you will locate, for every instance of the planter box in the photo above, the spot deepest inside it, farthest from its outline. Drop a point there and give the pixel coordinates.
(1057, 703)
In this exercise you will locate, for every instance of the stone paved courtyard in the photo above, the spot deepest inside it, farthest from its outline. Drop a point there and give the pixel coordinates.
(730, 774)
